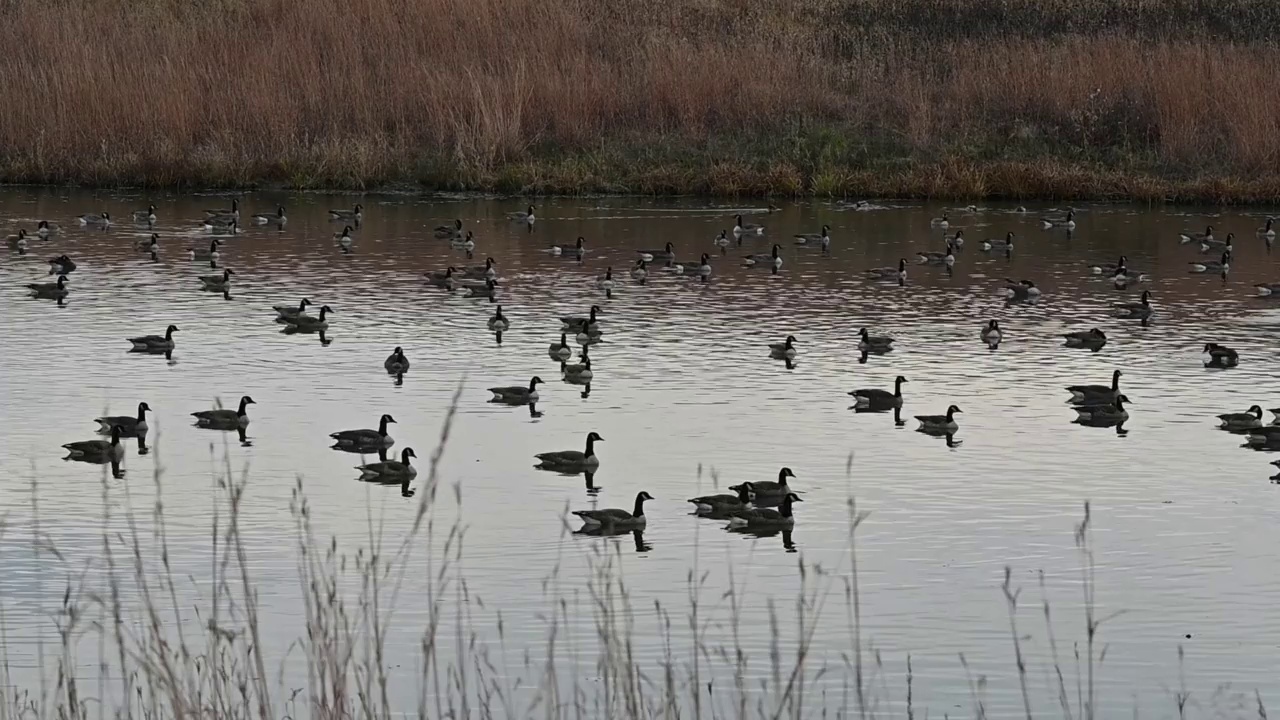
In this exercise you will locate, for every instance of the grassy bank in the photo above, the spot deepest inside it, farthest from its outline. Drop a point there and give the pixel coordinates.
(958, 99)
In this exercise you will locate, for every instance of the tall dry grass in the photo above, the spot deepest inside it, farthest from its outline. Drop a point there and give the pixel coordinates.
(977, 97)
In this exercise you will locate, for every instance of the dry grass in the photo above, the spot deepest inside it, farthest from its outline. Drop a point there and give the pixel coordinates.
(833, 97)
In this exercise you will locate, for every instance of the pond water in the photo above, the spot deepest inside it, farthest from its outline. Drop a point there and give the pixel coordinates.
(684, 388)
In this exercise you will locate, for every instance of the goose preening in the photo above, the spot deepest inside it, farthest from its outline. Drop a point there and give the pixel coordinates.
(97, 450)
(572, 460)
(210, 254)
(442, 278)
(1140, 310)
(145, 216)
(149, 245)
(1242, 421)
(287, 312)
(767, 489)
(991, 333)
(396, 362)
(940, 222)
(1189, 237)
(1207, 245)
(746, 228)
(487, 270)
(1219, 356)
(890, 273)
(61, 265)
(102, 219)
(996, 244)
(615, 517)
(307, 323)
(50, 291)
(278, 217)
(772, 259)
(221, 281)
(1067, 221)
(1080, 393)
(784, 349)
(723, 501)
(344, 239)
(822, 238)
(561, 350)
(498, 322)
(446, 232)
(573, 252)
(667, 252)
(522, 216)
(1093, 338)
(154, 343)
(354, 214)
(222, 418)
(488, 289)
(878, 397)
(232, 213)
(1222, 265)
(390, 470)
(873, 343)
(357, 439)
(128, 425)
(517, 394)
(766, 517)
(940, 423)
(1103, 411)
(576, 322)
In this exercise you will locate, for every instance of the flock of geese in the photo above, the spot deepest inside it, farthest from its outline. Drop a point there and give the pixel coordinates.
(757, 505)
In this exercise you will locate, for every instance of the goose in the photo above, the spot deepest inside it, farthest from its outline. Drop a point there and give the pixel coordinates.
(54, 290)
(770, 260)
(997, 244)
(722, 240)
(890, 273)
(1101, 268)
(155, 343)
(285, 312)
(150, 245)
(991, 333)
(396, 362)
(823, 238)
(487, 270)
(390, 470)
(365, 438)
(1101, 392)
(575, 251)
(110, 450)
(1139, 310)
(940, 222)
(784, 349)
(561, 350)
(498, 322)
(1207, 245)
(1242, 421)
(605, 282)
(222, 227)
(572, 460)
(1222, 266)
(722, 502)
(61, 265)
(356, 214)
(1276, 413)
(666, 253)
(344, 238)
(1189, 237)
(640, 271)
(769, 488)
(441, 278)
(614, 517)
(572, 322)
(1067, 221)
(99, 220)
(1105, 411)
(308, 323)
(445, 232)
(940, 423)
(1268, 288)
(1124, 276)
(145, 216)
(19, 241)
(588, 335)
(1020, 289)
(741, 228)
(278, 218)
(701, 268)
(128, 425)
(957, 240)
(489, 289)
(524, 216)
(217, 282)
(1216, 355)
(766, 517)
(946, 257)
(867, 341)
(232, 213)
(876, 397)
(1085, 338)
(517, 394)
(210, 254)
(45, 228)
(578, 371)
(467, 243)
(222, 417)
(1267, 231)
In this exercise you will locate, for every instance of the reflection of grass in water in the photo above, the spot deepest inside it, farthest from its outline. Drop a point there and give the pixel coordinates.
(215, 668)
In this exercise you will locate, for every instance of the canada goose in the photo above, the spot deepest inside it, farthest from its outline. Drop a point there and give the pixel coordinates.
(61, 265)
(956, 241)
(517, 394)
(487, 270)
(588, 335)
(1020, 289)
(467, 243)
(823, 238)
(1067, 221)
(784, 349)
(1104, 411)
(233, 213)
(110, 450)
(128, 425)
(876, 397)
(210, 254)
(766, 517)
(1137, 311)
(1204, 266)
(1207, 245)
(1108, 268)
(991, 333)
(573, 322)
(222, 227)
(561, 350)
(940, 222)
(1265, 289)
(224, 418)
(278, 218)
(769, 488)
(1188, 237)
(389, 470)
(572, 460)
(145, 216)
(867, 341)
(344, 238)
(489, 289)
(1216, 355)
(217, 282)
(1123, 276)
(19, 241)
(722, 240)
(1267, 231)
(1101, 392)
(997, 244)
(53, 291)
(940, 423)
(1266, 436)
(640, 271)
(937, 258)
(445, 232)
(365, 438)
(1086, 338)
(700, 268)
(741, 228)
(722, 502)
(285, 312)
(605, 282)
(45, 228)
(441, 278)
(615, 517)
(773, 259)
(356, 214)
(396, 362)
(154, 343)
(498, 322)
(310, 324)
(890, 273)
(524, 216)
(666, 253)
(150, 245)
(1242, 421)
(578, 371)
(574, 251)
(98, 220)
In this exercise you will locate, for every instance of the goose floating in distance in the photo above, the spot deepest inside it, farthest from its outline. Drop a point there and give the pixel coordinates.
(640, 271)
(50, 291)
(396, 362)
(149, 245)
(279, 218)
(1109, 268)
(1221, 356)
(307, 323)
(890, 273)
(357, 439)
(1086, 338)
(390, 470)
(489, 289)
(517, 394)
(573, 322)
(1020, 289)
(766, 489)
(61, 265)
(1189, 237)
(45, 228)
(605, 282)
(578, 371)
(574, 251)
(467, 243)
(821, 238)
(867, 341)
(940, 222)
(1067, 221)
(667, 252)
(17, 242)
(956, 241)
(223, 418)
(523, 216)
(1207, 245)
(1242, 421)
(1081, 392)
(1112, 411)
(285, 312)
(766, 517)
(222, 281)
(210, 254)
(746, 228)
(991, 333)
(723, 501)
(572, 460)
(701, 268)
(1135, 311)
(498, 322)
(615, 517)
(102, 219)
(877, 397)
(103, 450)
(232, 213)
(722, 240)
(997, 244)
(946, 257)
(1267, 231)
(355, 214)
(222, 227)
(145, 216)
(561, 350)
(1268, 289)
(784, 349)
(344, 238)
(452, 230)
(1219, 266)
(488, 270)
(940, 423)
(1123, 276)
(129, 425)
(154, 343)
(772, 259)
(588, 335)
(442, 278)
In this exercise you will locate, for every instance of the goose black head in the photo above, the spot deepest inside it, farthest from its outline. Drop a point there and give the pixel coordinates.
(1208, 347)
(534, 381)
(1146, 297)
(953, 409)
(643, 496)
(1116, 375)
(705, 259)
(792, 498)
(669, 247)
(143, 407)
(408, 453)
(171, 328)
(785, 473)
(398, 352)
(594, 437)
(902, 265)
(359, 208)
(580, 243)
(387, 419)
(826, 229)
(993, 325)
(791, 339)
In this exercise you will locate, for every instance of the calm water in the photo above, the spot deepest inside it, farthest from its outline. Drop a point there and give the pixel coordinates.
(1184, 516)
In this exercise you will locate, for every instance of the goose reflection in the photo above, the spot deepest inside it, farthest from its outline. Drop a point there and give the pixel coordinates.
(609, 531)
(497, 336)
(761, 533)
(398, 379)
(142, 444)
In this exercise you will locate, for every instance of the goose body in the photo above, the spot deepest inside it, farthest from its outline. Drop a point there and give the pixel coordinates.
(308, 323)
(1216, 266)
(52, 291)
(221, 281)
(523, 216)
(572, 460)
(344, 239)
(145, 216)
(940, 423)
(574, 322)
(946, 257)
(1216, 355)
(1267, 231)
(446, 232)
(578, 371)
(61, 265)
(772, 259)
(723, 502)
(573, 252)
(1268, 289)
(1086, 338)
(877, 397)
(347, 439)
(640, 271)
(396, 362)
(991, 333)
(288, 312)
(467, 243)
(867, 341)
(1189, 237)
(442, 278)
(1020, 289)
(222, 227)
(1109, 268)
(498, 322)
(1123, 276)
(940, 222)
(210, 254)
(766, 517)
(517, 394)
(129, 426)
(232, 213)
(102, 450)
(356, 214)
(822, 238)
(1067, 221)
(561, 350)
(96, 219)
(1207, 245)
(488, 270)
(488, 290)
(45, 228)
(224, 418)
(700, 268)
(1137, 311)
(1242, 421)
(154, 343)
(956, 241)
(722, 240)
(279, 218)
(769, 489)
(150, 245)
(1104, 412)
(605, 282)
(19, 241)
(390, 470)
(616, 517)
(784, 349)
(667, 252)
(1080, 392)
(746, 228)
(890, 273)
(997, 244)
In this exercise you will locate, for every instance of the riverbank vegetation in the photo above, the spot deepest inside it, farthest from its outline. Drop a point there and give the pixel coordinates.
(1109, 99)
